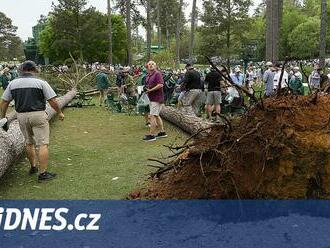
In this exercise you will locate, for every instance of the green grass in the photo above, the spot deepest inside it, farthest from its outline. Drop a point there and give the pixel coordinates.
(89, 149)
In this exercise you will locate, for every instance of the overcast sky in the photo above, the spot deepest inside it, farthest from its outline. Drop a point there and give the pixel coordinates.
(25, 13)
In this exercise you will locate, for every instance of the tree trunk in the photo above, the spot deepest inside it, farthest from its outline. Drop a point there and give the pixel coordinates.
(275, 23)
(110, 31)
(269, 31)
(129, 32)
(192, 31)
(148, 30)
(167, 29)
(228, 33)
(12, 142)
(178, 35)
(323, 32)
(159, 31)
(273, 20)
(188, 123)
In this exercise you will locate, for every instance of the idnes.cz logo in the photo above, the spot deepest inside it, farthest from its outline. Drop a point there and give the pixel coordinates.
(46, 219)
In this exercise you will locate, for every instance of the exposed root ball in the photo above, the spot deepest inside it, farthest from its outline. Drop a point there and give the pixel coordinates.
(279, 152)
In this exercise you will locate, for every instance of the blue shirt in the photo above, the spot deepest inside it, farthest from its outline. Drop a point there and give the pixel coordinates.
(238, 79)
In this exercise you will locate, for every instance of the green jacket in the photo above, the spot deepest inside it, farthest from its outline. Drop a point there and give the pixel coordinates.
(102, 81)
(14, 74)
(5, 79)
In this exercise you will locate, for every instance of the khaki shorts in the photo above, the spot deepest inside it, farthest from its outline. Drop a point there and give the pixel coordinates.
(213, 98)
(155, 108)
(35, 127)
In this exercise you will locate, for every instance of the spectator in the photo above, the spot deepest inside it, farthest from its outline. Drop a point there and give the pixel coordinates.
(13, 72)
(154, 88)
(30, 95)
(315, 78)
(5, 78)
(277, 77)
(120, 81)
(102, 84)
(213, 80)
(296, 82)
(268, 79)
(297, 73)
(192, 86)
(238, 77)
(128, 83)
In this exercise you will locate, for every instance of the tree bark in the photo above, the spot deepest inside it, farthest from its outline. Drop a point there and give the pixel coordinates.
(323, 32)
(228, 33)
(273, 21)
(110, 31)
(12, 142)
(159, 31)
(178, 35)
(167, 31)
(148, 30)
(269, 31)
(188, 123)
(192, 31)
(129, 32)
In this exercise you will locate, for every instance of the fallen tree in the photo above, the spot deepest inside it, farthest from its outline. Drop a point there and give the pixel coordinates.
(12, 142)
(189, 123)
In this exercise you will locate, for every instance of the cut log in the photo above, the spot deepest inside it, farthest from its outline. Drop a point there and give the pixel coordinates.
(12, 142)
(187, 122)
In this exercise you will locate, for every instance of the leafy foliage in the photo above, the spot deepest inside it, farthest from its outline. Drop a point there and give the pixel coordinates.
(11, 46)
(83, 32)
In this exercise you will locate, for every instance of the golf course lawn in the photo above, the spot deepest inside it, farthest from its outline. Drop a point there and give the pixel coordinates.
(96, 154)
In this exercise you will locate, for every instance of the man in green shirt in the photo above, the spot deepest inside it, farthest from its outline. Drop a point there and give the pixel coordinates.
(102, 83)
(5, 78)
(13, 72)
(129, 83)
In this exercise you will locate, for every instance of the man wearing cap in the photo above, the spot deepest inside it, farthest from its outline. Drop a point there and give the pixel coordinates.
(154, 88)
(268, 79)
(192, 86)
(296, 82)
(30, 95)
(238, 77)
(102, 84)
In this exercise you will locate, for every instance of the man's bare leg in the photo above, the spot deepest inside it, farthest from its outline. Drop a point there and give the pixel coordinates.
(160, 123)
(31, 155)
(101, 97)
(209, 111)
(153, 125)
(43, 158)
(218, 111)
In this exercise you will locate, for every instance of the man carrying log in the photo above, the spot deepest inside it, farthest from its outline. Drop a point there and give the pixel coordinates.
(30, 95)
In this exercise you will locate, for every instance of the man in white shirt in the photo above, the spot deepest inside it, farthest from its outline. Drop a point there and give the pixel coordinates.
(285, 79)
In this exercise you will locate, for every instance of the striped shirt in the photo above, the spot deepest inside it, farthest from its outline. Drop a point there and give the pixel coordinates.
(30, 93)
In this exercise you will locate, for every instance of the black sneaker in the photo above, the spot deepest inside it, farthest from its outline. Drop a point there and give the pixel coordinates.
(162, 135)
(46, 176)
(33, 170)
(149, 138)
